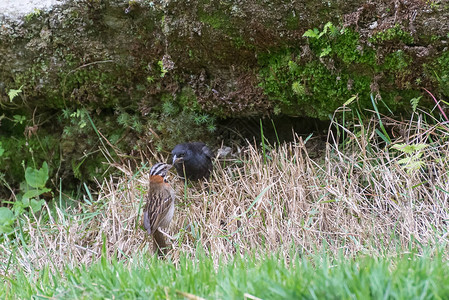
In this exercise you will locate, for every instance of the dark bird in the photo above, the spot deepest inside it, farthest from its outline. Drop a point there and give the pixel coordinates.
(160, 206)
(192, 160)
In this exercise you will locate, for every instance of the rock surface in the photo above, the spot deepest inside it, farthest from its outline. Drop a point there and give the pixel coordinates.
(155, 73)
(16, 9)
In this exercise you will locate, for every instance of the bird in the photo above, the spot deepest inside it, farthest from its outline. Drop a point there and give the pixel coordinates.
(192, 161)
(160, 206)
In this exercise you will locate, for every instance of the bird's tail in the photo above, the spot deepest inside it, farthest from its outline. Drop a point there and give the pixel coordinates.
(159, 244)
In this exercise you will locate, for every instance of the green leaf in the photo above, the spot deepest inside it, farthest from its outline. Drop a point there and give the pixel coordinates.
(384, 135)
(350, 100)
(18, 207)
(2, 150)
(325, 51)
(37, 178)
(414, 102)
(33, 194)
(409, 149)
(399, 147)
(328, 25)
(311, 33)
(14, 93)
(19, 119)
(36, 205)
(6, 216)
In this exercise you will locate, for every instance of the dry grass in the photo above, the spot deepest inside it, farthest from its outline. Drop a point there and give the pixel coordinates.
(357, 200)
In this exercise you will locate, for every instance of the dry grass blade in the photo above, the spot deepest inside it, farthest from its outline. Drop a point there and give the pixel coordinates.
(357, 200)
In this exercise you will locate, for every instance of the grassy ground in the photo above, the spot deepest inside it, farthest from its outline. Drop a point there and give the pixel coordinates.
(319, 276)
(355, 224)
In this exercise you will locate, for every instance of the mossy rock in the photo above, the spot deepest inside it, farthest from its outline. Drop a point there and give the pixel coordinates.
(153, 73)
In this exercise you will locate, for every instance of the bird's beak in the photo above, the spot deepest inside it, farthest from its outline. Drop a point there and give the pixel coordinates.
(176, 159)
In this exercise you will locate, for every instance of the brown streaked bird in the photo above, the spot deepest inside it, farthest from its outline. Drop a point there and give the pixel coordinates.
(160, 206)
(192, 160)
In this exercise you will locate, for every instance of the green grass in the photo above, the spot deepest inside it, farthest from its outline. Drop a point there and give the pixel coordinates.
(317, 276)
(363, 226)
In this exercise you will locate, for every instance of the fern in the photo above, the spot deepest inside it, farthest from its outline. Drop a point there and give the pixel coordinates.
(312, 33)
(409, 149)
(325, 51)
(412, 161)
(14, 93)
(414, 102)
(328, 26)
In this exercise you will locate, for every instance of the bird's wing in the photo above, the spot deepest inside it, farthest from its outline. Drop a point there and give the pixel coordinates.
(156, 209)
(207, 152)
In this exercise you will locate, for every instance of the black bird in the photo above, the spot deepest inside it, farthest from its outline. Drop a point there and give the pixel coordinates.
(192, 160)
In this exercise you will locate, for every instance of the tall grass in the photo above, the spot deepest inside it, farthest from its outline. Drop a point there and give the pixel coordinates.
(360, 199)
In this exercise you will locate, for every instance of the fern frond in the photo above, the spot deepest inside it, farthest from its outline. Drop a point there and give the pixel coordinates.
(14, 93)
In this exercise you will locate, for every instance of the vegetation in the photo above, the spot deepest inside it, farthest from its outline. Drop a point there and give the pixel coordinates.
(368, 219)
(317, 79)
(137, 73)
(84, 115)
(311, 276)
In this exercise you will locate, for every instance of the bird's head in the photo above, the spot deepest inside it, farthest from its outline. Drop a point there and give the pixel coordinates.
(180, 154)
(160, 169)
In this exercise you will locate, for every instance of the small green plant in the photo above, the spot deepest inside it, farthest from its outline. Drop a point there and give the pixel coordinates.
(414, 102)
(392, 34)
(433, 4)
(163, 70)
(316, 34)
(77, 118)
(129, 121)
(298, 88)
(35, 13)
(14, 93)
(19, 119)
(412, 162)
(79, 114)
(28, 198)
(150, 79)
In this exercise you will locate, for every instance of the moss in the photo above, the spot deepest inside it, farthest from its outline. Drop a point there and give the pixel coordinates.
(216, 19)
(347, 47)
(241, 43)
(394, 34)
(187, 99)
(396, 61)
(439, 72)
(309, 88)
(178, 118)
(341, 67)
(292, 21)
(34, 14)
